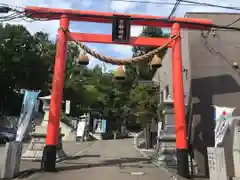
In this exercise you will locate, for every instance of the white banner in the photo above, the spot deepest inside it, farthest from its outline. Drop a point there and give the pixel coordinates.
(29, 101)
(222, 116)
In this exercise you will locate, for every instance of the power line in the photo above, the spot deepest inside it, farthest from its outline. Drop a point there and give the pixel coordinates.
(174, 8)
(212, 5)
(154, 2)
(217, 53)
(234, 22)
(184, 3)
(23, 14)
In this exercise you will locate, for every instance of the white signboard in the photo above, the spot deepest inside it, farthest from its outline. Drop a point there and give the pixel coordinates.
(81, 128)
(236, 148)
(67, 107)
(217, 164)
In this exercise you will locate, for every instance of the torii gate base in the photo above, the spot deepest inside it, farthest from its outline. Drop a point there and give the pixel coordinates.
(58, 78)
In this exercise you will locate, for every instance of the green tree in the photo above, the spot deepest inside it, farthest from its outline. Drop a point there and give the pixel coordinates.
(21, 66)
(144, 98)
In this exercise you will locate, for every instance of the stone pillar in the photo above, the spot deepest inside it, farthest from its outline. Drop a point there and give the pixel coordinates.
(35, 149)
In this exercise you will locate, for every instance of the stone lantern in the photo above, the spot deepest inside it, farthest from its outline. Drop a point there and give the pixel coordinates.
(35, 149)
(46, 108)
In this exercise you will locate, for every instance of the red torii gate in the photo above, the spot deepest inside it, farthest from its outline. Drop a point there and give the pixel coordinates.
(67, 15)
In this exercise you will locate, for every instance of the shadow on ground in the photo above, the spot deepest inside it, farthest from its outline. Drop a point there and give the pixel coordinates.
(121, 163)
(82, 156)
(28, 172)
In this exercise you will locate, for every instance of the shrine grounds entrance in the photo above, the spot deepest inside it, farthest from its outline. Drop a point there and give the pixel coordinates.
(121, 24)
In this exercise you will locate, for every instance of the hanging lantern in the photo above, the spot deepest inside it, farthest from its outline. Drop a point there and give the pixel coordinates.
(83, 59)
(119, 73)
(156, 62)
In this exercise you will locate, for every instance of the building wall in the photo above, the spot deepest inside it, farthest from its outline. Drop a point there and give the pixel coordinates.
(210, 76)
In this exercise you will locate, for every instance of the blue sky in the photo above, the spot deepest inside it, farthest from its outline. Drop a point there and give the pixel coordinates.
(108, 6)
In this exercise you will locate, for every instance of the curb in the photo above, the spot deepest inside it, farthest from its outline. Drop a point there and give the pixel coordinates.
(173, 177)
(142, 153)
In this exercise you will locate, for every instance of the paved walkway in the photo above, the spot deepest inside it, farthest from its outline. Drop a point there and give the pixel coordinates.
(106, 160)
(72, 149)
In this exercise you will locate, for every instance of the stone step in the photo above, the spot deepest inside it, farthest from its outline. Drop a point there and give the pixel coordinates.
(167, 137)
(169, 129)
(169, 119)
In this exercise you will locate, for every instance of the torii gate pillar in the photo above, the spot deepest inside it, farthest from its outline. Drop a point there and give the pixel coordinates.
(50, 150)
(179, 108)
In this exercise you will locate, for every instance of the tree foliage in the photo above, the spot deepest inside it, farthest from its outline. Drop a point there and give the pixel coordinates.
(144, 99)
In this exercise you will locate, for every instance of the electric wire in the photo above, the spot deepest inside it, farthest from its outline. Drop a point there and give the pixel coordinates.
(28, 15)
(213, 51)
(234, 22)
(183, 3)
(154, 2)
(174, 8)
(193, 3)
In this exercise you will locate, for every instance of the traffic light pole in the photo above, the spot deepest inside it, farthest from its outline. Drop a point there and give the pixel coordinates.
(50, 150)
(179, 105)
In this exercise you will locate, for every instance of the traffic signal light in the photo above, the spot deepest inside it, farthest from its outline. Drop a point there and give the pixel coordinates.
(121, 29)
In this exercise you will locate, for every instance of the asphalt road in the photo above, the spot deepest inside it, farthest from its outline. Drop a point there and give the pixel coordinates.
(70, 148)
(108, 160)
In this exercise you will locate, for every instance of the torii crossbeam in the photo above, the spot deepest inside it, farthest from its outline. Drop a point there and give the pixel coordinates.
(67, 15)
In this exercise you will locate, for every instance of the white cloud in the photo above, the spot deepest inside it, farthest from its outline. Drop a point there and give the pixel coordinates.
(122, 50)
(136, 30)
(232, 3)
(45, 26)
(164, 10)
(86, 3)
(121, 6)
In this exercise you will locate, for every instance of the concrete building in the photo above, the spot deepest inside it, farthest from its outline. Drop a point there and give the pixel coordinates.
(211, 77)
